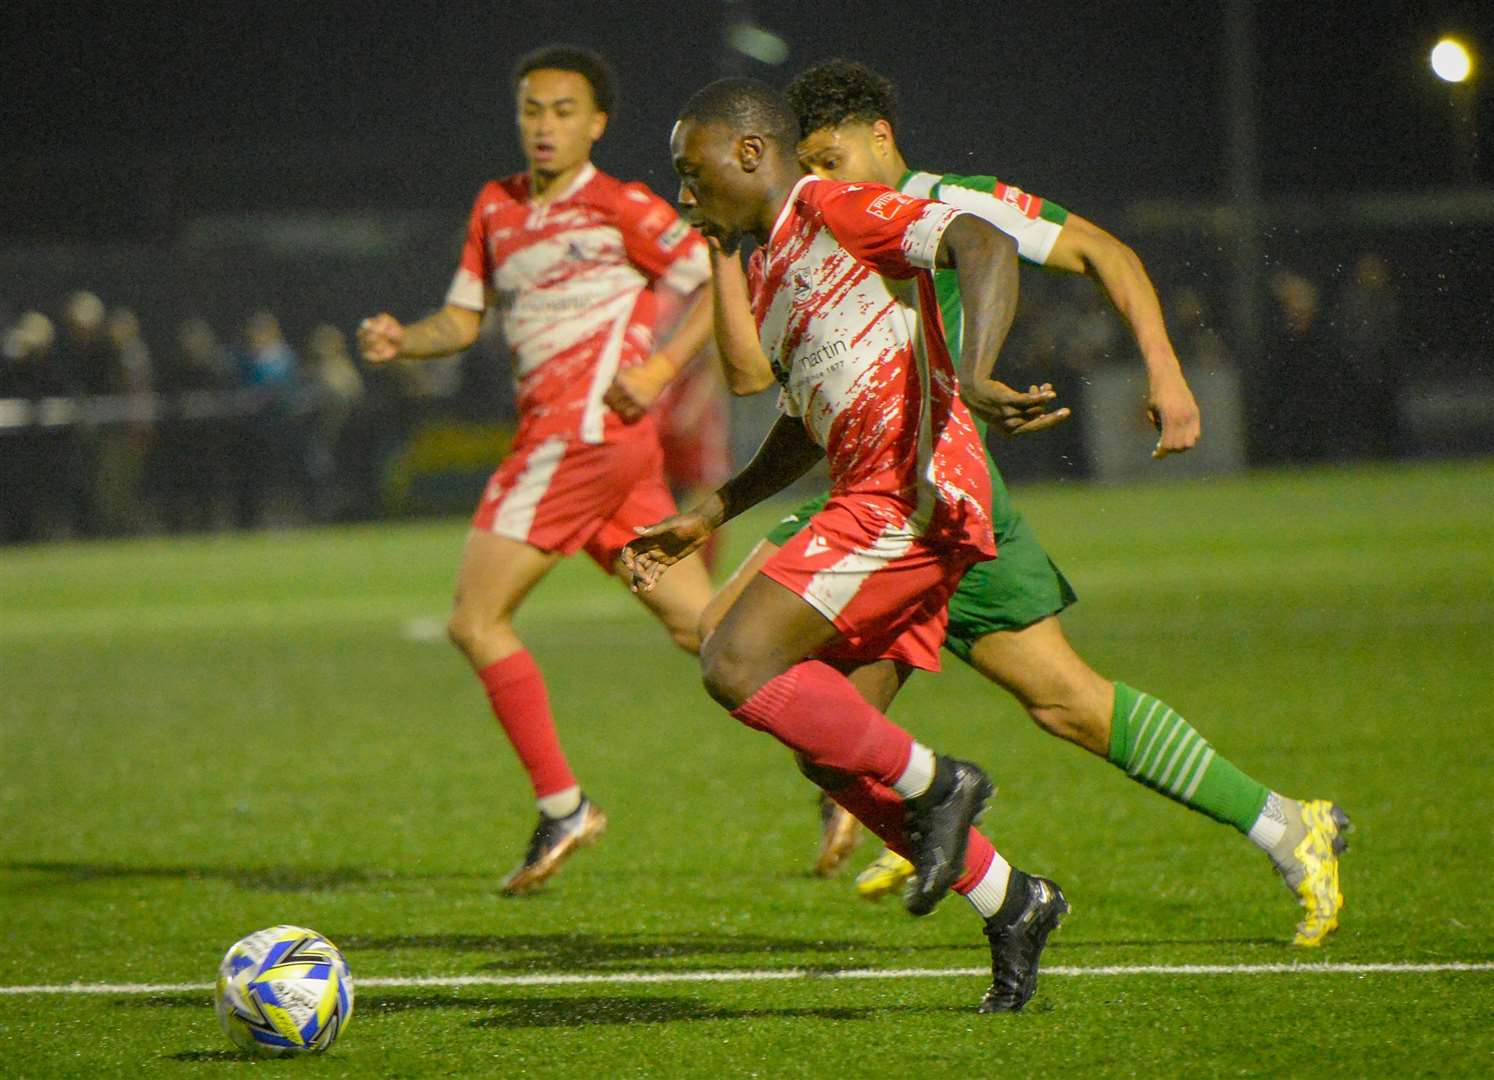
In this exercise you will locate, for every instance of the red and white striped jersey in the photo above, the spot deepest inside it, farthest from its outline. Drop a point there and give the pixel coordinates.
(846, 312)
(574, 281)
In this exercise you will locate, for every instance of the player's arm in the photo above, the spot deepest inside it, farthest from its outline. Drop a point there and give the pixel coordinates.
(382, 337)
(743, 362)
(635, 389)
(1083, 247)
(785, 455)
(985, 260)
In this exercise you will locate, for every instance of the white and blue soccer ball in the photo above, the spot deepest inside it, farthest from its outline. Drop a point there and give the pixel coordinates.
(284, 990)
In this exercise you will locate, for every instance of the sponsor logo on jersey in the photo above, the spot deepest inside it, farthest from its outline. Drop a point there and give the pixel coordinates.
(887, 205)
(815, 357)
(816, 546)
(1025, 204)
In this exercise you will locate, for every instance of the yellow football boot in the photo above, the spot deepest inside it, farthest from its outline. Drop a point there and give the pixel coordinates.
(840, 832)
(886, 875)
(1317, 857)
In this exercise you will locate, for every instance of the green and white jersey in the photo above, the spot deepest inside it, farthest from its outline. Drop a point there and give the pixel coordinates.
(1034, 223)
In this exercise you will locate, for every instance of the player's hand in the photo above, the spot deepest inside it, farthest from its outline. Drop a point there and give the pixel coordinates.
(1014, 412)
(635, 389)
(1174, 413)
(380, 338)
(660, 546)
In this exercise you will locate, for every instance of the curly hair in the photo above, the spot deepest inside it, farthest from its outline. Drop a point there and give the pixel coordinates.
(837, 92)
(744, 104)
(584, 62)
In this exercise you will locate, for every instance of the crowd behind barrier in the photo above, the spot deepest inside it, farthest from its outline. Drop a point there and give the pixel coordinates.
(110, 428)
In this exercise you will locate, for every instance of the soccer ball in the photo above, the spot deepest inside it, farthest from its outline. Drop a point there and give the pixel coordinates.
(285, 990)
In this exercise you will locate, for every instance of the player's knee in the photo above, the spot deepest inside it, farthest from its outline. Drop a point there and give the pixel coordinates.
(730, 674)
(469, 631)
(1080, 718)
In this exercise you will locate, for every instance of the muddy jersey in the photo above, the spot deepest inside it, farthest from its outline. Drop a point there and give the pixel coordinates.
(574, 282)
(847, 313)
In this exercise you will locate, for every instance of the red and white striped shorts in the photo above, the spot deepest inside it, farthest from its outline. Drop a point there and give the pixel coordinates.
(886, 590)
(561, 495)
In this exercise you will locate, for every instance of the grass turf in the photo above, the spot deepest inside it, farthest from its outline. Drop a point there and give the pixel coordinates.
(204, 737)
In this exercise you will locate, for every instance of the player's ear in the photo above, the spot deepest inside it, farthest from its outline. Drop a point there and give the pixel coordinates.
(598, 125)
(750, 152)
(881, 132)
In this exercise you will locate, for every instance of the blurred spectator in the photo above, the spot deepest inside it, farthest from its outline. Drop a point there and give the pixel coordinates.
(1199, 346)
(125, 433)
(265, 451)
(1367, 329)
(335, 389)
(189, 466)
(1090, 332)
(28, 374)
(1295, 411)
(85, 357)
(85, 364)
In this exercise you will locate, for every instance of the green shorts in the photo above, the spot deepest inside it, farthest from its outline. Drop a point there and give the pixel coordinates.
(1015, 589)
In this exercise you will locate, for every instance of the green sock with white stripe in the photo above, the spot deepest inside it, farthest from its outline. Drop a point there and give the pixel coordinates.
(1160, 749)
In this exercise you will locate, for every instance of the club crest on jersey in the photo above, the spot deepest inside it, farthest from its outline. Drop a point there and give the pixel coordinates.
(887, 204)
(671, 236)
(803, 282)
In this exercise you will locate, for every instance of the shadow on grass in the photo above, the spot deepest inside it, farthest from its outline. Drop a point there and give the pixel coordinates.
(211, 1055)
(591, 952)
(270, 878)
(602, 1010)
(1142, 943)
(538, 1011)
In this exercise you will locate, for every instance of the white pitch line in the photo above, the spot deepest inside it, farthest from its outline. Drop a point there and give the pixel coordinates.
(635, 978)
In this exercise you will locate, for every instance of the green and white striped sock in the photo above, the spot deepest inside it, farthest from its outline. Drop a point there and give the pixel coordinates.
(1158, 748)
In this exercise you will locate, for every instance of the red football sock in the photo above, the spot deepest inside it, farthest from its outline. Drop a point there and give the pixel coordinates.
(814, 709)
(883, 811)
(516, 690)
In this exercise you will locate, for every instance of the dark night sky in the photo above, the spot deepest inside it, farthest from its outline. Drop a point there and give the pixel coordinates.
(407, 105)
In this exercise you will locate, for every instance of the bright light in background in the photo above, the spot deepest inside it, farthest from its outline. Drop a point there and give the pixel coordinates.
(752, 40)
(1450, 61)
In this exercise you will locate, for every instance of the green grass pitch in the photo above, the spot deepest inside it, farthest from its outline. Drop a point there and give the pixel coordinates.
(199, 738)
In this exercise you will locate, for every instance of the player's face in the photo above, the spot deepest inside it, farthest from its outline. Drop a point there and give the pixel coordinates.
(852, 151)
(716, 194)
(558, 120)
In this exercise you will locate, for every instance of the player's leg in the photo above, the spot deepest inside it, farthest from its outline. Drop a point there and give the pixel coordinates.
(543, 502)
(495, 575)
(1019, 910)
(757, 665)
(678, 599)
(680, 596)
(1156, 747)
(732, 588)
(839, 830)
(787, 527)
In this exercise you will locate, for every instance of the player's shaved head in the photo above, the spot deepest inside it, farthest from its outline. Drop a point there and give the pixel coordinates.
(733, 148)
(745, 107)
(838, 92)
